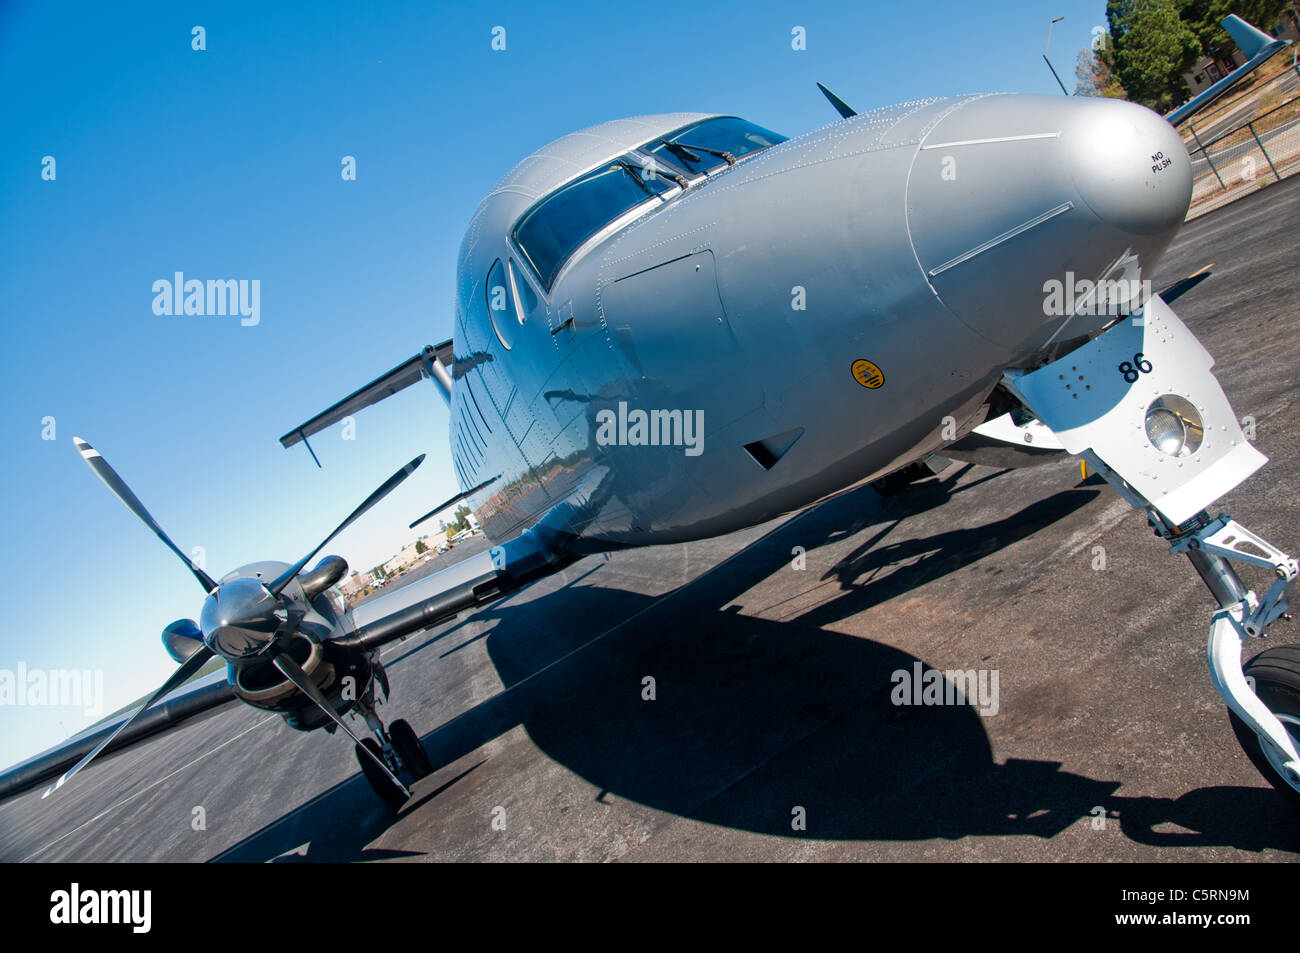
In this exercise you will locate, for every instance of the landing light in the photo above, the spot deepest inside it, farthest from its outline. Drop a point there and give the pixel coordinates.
(1173, 426)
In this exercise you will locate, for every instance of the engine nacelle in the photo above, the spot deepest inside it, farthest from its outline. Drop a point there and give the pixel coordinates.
(344, 677)
(327, 573)
(182, 639)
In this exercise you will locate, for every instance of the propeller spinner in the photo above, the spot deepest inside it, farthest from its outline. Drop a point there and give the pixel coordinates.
(241, 618)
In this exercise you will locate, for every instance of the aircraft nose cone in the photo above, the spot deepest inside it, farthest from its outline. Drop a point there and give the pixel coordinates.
(1010, 196)
(1129, 166)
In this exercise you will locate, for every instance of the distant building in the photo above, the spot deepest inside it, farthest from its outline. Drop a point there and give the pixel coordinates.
(356, 582)
(406, 557)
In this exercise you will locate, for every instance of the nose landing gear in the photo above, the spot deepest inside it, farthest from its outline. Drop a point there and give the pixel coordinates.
(1263, 698)
(1275, 673)
(1138, 402)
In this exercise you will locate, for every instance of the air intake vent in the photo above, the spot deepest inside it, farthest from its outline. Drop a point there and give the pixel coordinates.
(769, 450)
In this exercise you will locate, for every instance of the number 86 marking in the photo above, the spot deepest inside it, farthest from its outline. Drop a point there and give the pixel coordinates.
(1139, 365)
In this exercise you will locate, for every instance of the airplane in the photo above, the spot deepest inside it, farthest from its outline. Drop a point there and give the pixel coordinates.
(675, 326)
(1257, 46)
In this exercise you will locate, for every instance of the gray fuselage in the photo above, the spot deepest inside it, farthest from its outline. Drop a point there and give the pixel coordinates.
(918, 238)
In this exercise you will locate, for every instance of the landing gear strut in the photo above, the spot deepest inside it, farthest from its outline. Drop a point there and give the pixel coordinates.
(894, 483)
(1263, 698)
(400, 751)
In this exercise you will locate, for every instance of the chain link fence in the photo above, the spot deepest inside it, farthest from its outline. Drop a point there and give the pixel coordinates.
(1245, 144)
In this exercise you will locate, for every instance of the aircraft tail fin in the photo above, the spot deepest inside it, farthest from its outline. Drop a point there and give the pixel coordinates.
(1249, 40)
(1256, 45)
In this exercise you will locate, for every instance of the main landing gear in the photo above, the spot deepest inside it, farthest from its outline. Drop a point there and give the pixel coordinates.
(394, 757)
(399, 750)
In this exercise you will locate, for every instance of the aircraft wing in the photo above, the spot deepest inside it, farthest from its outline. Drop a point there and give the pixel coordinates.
(474, 581)
(433, 361)
(204, 694)
(470, 582)
(467, 584)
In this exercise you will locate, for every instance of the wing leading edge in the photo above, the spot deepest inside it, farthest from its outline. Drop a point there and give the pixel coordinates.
(433, 361)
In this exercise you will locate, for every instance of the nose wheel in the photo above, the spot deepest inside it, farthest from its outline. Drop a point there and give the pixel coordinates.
(1275, 674)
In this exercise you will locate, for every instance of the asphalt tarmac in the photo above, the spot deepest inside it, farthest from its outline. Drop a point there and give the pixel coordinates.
(771, 734)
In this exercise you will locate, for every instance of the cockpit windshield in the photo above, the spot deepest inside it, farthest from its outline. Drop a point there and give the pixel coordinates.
(711, 143)
(557, 226)
(552, 230)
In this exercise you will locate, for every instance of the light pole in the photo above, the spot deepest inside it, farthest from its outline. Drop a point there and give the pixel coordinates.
(1055, 20)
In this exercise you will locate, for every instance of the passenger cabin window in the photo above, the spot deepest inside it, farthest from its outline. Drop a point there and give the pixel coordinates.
(553, 229)
(501, 305)
(709, 144)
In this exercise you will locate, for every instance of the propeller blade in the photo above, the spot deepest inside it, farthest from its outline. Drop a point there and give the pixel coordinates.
(455, 499)
(178, 677)
(841, 107)
(389, 485)
(294, 673)
(123, 493)
(1184, 285)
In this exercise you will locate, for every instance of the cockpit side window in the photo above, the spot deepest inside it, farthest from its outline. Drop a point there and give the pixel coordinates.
(712, 143)
(553, 229)
(501, 305)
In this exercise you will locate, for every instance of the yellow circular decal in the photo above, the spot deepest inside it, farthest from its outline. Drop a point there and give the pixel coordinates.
(867, 374)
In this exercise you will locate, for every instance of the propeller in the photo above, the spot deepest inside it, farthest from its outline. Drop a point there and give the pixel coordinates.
(241, 617)
(389, 485)
(123, 493)
(178, 678)
(1184, 285)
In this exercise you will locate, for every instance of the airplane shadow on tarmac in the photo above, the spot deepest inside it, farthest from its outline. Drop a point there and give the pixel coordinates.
(754, 718)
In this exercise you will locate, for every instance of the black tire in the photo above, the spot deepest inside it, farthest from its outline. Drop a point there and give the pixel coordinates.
(409, 749)
(382, 783)
(894, 483)
(1276, 672)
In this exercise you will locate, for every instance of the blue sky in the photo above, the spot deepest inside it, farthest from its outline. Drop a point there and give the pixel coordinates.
(225, 163)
